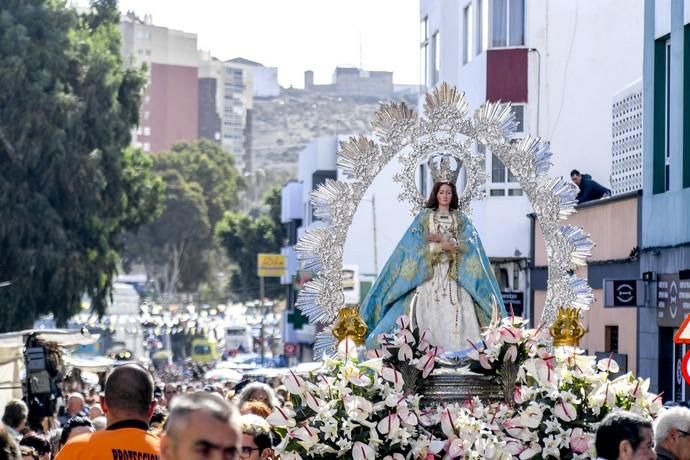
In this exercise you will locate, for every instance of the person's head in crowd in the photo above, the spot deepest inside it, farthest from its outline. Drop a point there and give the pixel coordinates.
(128, 395)
(255, 407)
(625, 435)
(95, 411)
(92, 396)
(576, 177)
(74, 427)
(9, 449)
(158, 419)
(100, 423)
(158, 396)
(15, 417)
(38, 442)
(257, 439)
(169, 392)
(282, 393)
(257, 391)
(213, 389)
(28, 453)
(75, 404)
(672, 433)
(201, 425)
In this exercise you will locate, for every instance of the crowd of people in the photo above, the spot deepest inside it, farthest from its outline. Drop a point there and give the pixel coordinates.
(138, 417)
(134, 418)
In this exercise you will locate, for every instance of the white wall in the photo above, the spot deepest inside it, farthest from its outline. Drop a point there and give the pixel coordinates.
(590, 50)
(392, 219)
(318, 155)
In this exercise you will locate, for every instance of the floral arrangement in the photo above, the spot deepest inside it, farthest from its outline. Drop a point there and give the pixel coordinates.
(361, 407)
(356, 408)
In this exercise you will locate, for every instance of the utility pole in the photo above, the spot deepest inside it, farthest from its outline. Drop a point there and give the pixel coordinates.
(263, 318)
(373, 220)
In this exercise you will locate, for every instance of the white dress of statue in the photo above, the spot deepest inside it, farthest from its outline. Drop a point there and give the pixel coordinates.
(442, 306)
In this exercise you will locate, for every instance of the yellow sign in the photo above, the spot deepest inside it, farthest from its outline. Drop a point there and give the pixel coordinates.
(271, 265)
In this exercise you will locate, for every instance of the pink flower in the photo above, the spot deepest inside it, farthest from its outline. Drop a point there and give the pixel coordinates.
(517, 395)
(512, 353)
(392, 375)
(579, 441)
(404, 352)
(406, 335)
(427, 362)
(389, 423)
(403, 322)
(510, 334)
(361, 451)
(565, 411)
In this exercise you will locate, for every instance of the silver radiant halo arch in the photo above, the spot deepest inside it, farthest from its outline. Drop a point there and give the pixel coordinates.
(445, 128)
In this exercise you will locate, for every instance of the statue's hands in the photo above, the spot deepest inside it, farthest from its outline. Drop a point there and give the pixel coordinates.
(434, 238)
(449, 246)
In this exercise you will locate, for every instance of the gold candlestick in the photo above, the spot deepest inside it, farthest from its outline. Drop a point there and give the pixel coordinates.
(567, 330)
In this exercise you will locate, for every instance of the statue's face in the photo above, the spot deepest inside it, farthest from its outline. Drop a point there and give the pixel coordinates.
(444, 195)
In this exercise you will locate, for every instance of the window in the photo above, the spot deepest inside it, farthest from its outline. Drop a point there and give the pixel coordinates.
(468, 21)
(147, 114)
(424, 53)
(519, 111)
(436, 57)
(503, 182)
(423, 180)
(611, 339)
(147, 131)
(147, 147)
(508, 23)
(482, 26)
(498, 170)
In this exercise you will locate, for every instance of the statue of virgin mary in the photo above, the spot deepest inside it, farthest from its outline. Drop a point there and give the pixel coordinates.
(438, 273)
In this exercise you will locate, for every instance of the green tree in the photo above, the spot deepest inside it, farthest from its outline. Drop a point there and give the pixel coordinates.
(178, 249)
(181, 233)
(207, 164)
(69, 186)
(243, 237)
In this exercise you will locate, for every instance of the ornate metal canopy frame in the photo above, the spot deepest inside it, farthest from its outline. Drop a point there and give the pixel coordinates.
(444, 128)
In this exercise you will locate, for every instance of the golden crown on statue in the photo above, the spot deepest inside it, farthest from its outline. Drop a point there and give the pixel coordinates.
(567, 330)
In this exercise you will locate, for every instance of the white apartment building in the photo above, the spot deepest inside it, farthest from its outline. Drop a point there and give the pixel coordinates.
(559, 63)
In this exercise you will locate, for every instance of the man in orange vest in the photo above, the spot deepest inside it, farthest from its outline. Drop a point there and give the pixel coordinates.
(128, 404)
